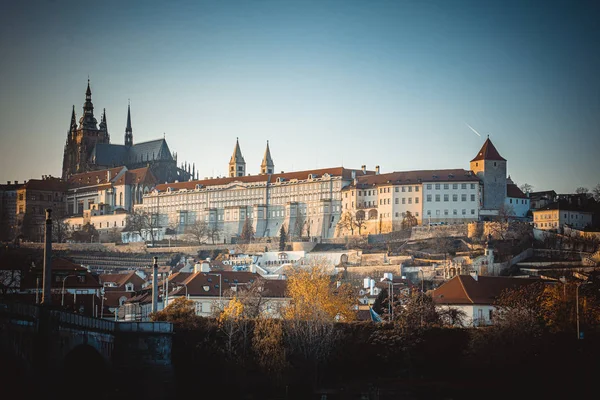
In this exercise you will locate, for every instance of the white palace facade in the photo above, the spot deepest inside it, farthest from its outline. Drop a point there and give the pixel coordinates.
(307, 203)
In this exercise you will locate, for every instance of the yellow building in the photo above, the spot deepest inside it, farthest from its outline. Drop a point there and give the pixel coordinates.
(556, 215)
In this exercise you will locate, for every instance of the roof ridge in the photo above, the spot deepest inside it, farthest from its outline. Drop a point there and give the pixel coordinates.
(464, 289)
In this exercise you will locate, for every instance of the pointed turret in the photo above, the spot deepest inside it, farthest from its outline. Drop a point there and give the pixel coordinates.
(267, 166)
(87, 120)
(237, 165)
(488, 152)
(103, 126)
(128, 130)
(73, 120)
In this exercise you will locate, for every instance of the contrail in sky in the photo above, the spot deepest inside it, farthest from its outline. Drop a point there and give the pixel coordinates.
(473, 129)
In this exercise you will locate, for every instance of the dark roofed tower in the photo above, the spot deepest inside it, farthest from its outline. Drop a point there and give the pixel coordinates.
(237, 165)
(128, 130)
(267, 166)
(490, 167)
(82, 139)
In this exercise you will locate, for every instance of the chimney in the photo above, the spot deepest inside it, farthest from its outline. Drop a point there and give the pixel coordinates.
(108, 176)
(474, 275)
(364, 169)
(372, 287)
(377, 170)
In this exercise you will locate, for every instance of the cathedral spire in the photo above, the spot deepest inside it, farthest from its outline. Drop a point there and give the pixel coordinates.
(73, 120)
(267, 166)
(103, 125)
(128, 130)
(87, 120)
(237, 165)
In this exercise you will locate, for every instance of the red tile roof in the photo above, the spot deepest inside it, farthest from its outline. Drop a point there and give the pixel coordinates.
(206, 284)
(488, 152)
(121, 279)
(300, 175)
(513, 190)
(416, 177)
(136, 176)
(94, 177)
(464, 289)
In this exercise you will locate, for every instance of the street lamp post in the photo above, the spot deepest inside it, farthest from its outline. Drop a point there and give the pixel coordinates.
(102, 303)
(577, 304)
(62, 301)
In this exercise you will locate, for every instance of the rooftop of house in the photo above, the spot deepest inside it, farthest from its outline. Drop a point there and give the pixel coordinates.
(48, 184)
(488, 152)
(285, 176)
(465, 289)
(563, 206)
(513, 191)
(415, 178)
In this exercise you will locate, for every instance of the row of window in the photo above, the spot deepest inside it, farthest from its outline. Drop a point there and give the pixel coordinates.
(523, 201)
(447, 212)
(463, 197)
(447, 186)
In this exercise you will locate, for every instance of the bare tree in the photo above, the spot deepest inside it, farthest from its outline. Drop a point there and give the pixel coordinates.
(198, 229)
(61, 230)
(214, 232)
(596, 192)
(360, 221)
(409, 221)
(526, 188)
(143, 223)
(582, 190)
(347, 222)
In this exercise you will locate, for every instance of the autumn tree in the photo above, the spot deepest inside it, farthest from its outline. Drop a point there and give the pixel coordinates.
(180, 311)
(313, 296)
(409, 221)
(198, 229)
(236, 327)
(282, 238)
(269, 346)
(247, 231)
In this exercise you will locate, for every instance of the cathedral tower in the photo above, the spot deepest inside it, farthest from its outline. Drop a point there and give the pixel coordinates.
(490, 167)
(82, 139)
(267, 166)
(237, 165)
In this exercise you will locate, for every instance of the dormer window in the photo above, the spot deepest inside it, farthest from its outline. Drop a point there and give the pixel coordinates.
(129, 287)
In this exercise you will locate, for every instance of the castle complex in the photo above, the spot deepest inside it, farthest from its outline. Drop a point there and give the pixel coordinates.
(312, 203)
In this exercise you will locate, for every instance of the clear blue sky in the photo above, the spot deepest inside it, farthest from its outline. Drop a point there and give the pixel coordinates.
(389, 83)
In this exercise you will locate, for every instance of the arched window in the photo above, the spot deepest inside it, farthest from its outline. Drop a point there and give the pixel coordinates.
(121, 199)
(360, 214)
(372, 214)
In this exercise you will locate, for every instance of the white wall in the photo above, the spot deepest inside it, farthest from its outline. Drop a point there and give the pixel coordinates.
(520, 206)
(444, 211)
